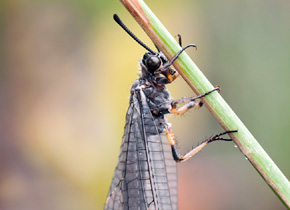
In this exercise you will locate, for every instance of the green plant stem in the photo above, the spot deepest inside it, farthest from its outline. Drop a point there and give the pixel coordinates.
(214, 102)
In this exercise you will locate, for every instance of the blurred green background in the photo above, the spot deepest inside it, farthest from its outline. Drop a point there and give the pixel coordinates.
(66, 70)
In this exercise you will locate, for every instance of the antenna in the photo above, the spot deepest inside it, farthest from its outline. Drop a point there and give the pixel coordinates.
(118, 20)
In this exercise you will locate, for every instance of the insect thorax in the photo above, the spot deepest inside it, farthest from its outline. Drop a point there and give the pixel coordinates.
(157, 98)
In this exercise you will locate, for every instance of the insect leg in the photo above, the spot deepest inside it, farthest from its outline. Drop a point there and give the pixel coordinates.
(184, 108)
(190, 102)
(168, 64)
(170, 73)
(179, 158)
(179, 39)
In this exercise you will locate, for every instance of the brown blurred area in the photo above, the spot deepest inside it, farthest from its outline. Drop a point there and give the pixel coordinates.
(48, 151)
(65, 73)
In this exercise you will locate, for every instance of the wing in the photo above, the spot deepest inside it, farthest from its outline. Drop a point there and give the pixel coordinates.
(145, 176)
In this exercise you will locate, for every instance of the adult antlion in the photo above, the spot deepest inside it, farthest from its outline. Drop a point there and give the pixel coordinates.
(145, 176)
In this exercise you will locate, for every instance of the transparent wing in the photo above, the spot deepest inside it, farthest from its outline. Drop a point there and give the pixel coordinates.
(145, 176)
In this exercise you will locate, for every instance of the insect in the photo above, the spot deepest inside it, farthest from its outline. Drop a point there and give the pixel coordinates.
(145, 176)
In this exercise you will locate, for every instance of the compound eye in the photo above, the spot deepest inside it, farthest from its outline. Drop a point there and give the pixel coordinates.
(146, 56)
(152, 63)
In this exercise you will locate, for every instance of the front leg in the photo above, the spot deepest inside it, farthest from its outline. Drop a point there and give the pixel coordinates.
(190, 102)
(170, 74)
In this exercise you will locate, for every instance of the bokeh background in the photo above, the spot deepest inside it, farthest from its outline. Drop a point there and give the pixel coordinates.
(65, 73)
